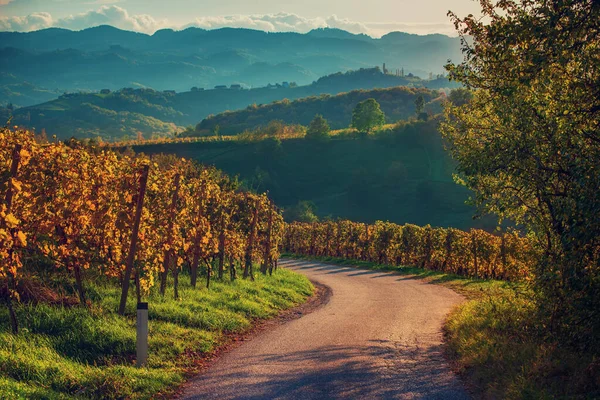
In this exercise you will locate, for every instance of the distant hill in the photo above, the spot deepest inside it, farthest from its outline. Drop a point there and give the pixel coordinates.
(20, 93)
(108, 58)
(156, 112)
(401, 174)
(397, 103)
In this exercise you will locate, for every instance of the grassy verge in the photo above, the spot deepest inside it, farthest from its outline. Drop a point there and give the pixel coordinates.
(497, 343)
(64, 353)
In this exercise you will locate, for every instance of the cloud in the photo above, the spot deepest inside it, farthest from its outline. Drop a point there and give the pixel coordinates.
(378, 29)
(111, 15)
(280, 22)
(31, 22)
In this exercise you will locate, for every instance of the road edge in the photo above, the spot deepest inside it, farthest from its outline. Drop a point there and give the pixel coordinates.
(320, 297)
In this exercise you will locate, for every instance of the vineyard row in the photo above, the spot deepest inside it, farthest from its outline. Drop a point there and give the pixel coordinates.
(82, 212)
(475, 253)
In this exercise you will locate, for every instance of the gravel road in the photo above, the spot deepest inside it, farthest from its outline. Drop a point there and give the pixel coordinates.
(378, 337)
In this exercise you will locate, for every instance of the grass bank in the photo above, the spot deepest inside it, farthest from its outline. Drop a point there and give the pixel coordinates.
(64, 353)
(497, 343)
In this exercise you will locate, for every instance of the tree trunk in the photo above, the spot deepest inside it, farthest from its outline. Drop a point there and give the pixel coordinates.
(79, 283)
(134, 239)
(232, 270)
(195, 261)
(222, 248)
(138, 291)
(14, 323)
(176, 282)
(208, 273)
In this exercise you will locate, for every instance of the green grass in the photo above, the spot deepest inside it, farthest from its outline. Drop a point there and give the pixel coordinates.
(497, 342)
(73, 352)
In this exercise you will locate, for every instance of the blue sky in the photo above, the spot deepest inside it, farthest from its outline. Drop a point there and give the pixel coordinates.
(373, 18)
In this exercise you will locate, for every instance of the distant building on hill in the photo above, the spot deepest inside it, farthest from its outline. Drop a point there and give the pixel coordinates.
(169, 92)
(221, 87)
(105, 91)
(236, 87)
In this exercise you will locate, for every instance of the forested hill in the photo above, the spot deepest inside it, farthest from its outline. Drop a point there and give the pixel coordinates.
(113, 115)
(106, 57)
(397, 103)
(400, 173)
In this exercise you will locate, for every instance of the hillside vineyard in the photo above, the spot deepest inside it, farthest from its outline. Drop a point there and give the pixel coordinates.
(77, 209)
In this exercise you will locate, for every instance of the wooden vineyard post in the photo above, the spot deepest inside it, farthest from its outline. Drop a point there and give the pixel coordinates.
(221, 244)
(267, 264)
(134, 239)
(171, 223)
(197, 243)
(10, 282)
(250, 245)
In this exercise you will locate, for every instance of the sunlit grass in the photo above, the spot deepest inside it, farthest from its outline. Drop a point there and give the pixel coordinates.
(73, 352)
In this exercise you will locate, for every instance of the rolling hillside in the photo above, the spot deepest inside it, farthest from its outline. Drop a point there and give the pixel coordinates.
(401, 174)
(397, 103)
(113, 115)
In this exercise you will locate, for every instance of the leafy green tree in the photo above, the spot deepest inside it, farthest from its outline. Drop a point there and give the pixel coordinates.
(528, 143)
(419, 104)
(318, 129)
(304, 211)
(367, 115)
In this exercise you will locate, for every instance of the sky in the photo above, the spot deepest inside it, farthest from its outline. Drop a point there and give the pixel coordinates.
(374, 18)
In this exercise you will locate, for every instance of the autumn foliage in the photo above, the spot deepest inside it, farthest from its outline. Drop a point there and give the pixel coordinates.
(475, 253)
(73, 206)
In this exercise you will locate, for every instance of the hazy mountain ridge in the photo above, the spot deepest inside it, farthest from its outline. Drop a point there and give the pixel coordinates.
(106, 57)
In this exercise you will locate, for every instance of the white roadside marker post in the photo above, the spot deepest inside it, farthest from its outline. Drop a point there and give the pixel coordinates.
(142, 334)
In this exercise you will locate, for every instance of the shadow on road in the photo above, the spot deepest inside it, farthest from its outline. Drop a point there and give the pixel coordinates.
(336, 373)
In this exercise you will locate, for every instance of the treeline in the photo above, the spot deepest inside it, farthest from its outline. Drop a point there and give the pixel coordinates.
(397, 103)
(473, 253)
(72, 212)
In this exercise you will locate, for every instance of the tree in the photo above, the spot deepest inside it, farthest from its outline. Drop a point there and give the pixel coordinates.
(318, 129)
(419, 104)
(304, 211)
(528, 143)
(367, 115)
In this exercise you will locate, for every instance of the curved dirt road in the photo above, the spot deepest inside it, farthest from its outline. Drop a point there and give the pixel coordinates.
(378, 337)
